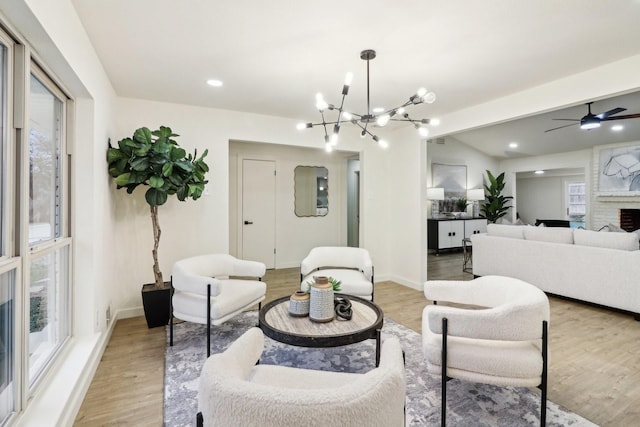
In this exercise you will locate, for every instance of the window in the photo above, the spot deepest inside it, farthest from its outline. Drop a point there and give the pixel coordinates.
(7, 343)
(576, 204)
(35, 244)
(49, 279)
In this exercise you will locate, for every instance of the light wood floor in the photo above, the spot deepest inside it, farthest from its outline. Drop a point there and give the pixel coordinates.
(594, 356)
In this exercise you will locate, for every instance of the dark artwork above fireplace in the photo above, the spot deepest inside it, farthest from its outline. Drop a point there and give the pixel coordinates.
(630, 219)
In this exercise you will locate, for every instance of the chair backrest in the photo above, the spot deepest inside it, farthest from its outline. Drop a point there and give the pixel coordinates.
(515, 309)
(194, 273)
(337, 256)
(375, 398)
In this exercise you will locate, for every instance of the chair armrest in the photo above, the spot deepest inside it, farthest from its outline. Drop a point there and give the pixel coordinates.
(239, 358)
(194, 283)
(391, 355)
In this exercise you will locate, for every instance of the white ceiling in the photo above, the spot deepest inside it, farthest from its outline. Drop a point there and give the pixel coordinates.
(275, 56)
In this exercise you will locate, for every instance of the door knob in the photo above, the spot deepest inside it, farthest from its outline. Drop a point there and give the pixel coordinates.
(248, 222)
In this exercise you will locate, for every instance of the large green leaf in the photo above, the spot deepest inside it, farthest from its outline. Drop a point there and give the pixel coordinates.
(155, 197)
(177, 153)
(113, 154)
(140, 164)
(142, 135)
(156, 182)
(167, 169)
(123, 179)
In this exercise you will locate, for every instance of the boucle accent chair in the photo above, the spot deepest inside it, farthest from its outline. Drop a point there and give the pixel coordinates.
(235, 391)
(211, 289)
(504, 344)
(352, 266)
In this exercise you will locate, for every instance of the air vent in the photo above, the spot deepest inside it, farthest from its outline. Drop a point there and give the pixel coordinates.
(436, 140)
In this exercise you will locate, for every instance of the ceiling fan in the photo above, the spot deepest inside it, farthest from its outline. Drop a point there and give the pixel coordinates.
(592, 121)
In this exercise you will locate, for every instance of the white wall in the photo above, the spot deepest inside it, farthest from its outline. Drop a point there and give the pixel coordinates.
(543, 197)
(295, 236)
(454, 152)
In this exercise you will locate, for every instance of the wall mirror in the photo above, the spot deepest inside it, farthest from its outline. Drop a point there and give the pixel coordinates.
(311, 191)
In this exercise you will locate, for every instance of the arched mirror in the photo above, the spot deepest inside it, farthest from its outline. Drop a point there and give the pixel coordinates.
(311, 191)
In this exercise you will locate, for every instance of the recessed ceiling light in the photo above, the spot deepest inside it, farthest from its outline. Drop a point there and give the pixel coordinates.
(539, 172)
(513, 145)
(617, 128)
(214, 82)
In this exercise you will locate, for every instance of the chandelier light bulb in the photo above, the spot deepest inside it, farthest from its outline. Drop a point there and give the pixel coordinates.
(400, 111)
(334, 139)
(301, 126)
(328, 148)
(321, 104)
(429, 97)
(434, 122)
(421, 92)
(348, 78)
(383, 120)
(423, 131)
(383, 144)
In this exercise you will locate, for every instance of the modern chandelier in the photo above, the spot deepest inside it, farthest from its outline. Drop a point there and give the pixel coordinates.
(366, 121)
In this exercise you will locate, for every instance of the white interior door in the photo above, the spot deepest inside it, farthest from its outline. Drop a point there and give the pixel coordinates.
(259, 211)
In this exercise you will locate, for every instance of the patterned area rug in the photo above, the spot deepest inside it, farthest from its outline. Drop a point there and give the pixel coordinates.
(468, 403)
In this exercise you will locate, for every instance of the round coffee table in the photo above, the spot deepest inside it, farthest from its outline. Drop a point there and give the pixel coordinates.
(366, 323)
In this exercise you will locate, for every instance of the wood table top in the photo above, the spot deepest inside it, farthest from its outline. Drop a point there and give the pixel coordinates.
(277, 323)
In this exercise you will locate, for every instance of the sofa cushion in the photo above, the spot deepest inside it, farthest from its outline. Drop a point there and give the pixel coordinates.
(500, 230)
(549, 234)
(614, 240)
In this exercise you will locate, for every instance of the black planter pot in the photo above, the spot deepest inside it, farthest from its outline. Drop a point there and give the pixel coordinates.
(157, 304)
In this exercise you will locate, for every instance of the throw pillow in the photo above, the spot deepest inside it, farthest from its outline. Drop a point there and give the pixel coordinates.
(501, 230)
(549, 234)
(621, 241)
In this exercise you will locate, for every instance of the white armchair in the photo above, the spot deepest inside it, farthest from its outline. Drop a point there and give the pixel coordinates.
(235, 391)
(211, 289)
(504, 344)
(352, 266)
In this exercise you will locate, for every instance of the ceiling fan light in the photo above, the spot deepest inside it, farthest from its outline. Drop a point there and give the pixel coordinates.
(589, 124)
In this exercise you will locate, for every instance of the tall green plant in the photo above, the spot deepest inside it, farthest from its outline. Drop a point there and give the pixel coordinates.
(495, 205)
(154, 159)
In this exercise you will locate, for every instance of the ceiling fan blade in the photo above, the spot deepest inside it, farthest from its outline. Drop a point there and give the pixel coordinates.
(627, 116)
(565, 126)
(603, 116)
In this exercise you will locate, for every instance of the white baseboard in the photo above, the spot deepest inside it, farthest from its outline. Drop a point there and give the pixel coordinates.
(402, 281)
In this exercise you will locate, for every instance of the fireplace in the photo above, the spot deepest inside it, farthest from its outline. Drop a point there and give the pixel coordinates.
(629, 219)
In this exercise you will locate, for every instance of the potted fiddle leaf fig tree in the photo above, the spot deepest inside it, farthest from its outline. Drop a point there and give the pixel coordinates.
(495, 205)
(153, 159)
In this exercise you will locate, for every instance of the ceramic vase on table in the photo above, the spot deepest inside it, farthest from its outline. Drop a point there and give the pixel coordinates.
(321, 306)
(299, 304)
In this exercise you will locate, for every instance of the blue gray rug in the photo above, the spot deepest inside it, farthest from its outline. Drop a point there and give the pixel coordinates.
(469, 404)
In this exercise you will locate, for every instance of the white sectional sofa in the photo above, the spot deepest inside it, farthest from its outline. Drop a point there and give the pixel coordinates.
(596, 267)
